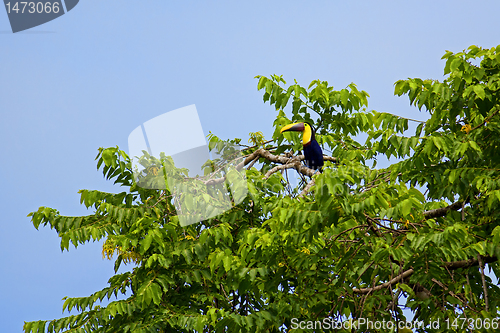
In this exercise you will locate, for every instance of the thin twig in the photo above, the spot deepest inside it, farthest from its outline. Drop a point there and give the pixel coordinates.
(253, 162)
(383, 226)
(485, 120)
(350, 229)
(484, 282)
(452, 293)
(370, 222)
(308, 187)
(255, 146)
(227, 297)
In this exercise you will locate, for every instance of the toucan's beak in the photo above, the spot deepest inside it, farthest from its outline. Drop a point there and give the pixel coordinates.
(296, 127)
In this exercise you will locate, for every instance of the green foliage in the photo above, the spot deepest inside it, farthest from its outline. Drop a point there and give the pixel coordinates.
(360, 240)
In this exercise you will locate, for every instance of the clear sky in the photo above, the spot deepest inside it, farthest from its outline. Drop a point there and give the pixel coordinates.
(88, 78)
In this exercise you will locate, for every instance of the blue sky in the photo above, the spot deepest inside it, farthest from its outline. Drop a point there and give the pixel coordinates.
(88, 78)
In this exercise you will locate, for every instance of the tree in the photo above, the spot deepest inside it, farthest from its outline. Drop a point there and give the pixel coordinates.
(354, 243)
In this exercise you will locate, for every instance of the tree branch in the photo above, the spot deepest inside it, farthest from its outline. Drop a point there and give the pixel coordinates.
(439, 212)
(254, 146)
(350, 229)
(307, 188)
(481, 266)
(485, 120)
(291, 165)
(401, 276)
(452, 293)
(372, 227)
(280, 159)
(450, 265)
(469, 263)
(253, 162)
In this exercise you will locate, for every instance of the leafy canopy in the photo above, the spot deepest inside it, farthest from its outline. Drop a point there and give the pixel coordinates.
(354, 241)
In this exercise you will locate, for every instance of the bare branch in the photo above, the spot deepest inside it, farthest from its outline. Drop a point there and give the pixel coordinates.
(401, 276)
(307, 188)
(261, 152)
(450, 265)
(292, 165)
(439, 212)
(469, 263)
(331, 159)
(372, 226)
(253, 162)
(383, 226)
(249, 158)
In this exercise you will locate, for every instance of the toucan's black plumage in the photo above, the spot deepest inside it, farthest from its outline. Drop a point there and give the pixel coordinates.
(313, 155)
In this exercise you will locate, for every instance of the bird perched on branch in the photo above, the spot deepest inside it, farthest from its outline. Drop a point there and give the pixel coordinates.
(313, 155)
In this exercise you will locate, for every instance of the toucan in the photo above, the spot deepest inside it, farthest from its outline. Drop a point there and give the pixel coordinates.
(313, 155)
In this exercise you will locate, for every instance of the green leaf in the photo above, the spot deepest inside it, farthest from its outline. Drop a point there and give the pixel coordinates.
(455, 63)
(344, 95)
(496, 235)
(227, 261)
(156, 293)
(447, 55)
(406, 207)
(107, 156)
(146, 243)
(453, 300)
(479, 90)
(262, 82)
